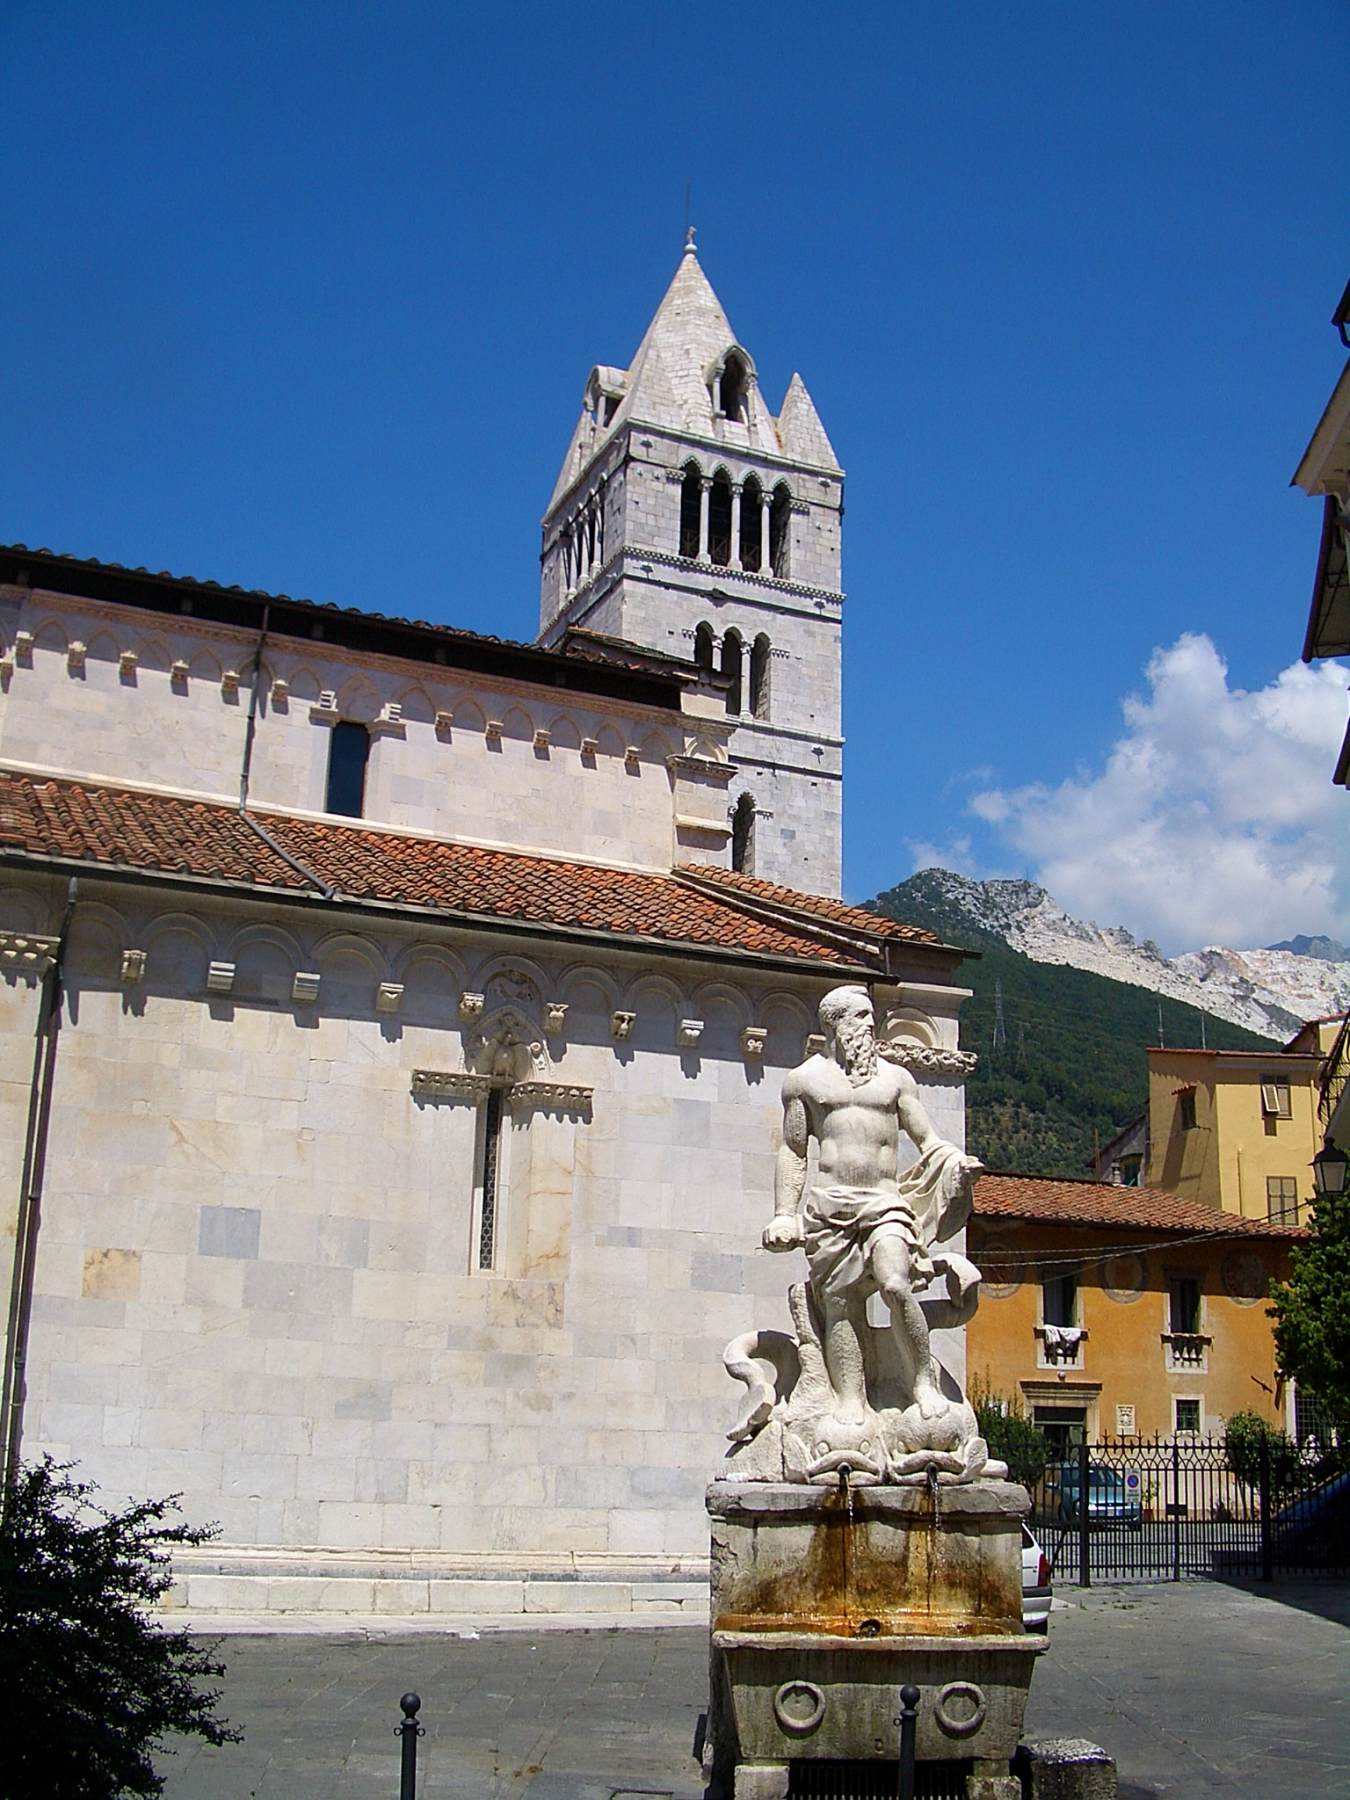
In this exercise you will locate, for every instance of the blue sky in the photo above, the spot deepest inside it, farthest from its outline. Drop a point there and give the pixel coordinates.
(304, 297)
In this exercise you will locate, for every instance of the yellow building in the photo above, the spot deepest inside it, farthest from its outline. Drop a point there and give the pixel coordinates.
(1238, 1129)
(1113, 1311)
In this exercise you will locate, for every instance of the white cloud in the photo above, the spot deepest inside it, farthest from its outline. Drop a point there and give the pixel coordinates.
(1213, 820)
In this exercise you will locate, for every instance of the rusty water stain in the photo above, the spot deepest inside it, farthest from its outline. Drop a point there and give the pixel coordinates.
(848, 1585)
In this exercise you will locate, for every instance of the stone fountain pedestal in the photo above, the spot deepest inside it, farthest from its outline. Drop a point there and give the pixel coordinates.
(827, 1600)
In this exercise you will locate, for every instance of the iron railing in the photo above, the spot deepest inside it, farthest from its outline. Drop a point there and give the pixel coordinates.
(1165, 1509)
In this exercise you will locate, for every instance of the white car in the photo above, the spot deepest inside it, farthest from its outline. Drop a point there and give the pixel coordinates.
(1035, 1584)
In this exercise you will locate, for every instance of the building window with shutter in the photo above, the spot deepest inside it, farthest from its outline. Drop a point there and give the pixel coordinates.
(1282, 1198)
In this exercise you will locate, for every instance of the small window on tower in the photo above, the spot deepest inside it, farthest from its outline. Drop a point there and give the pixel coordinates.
(703, 646)
(691, 508)
(348, 754)
(743, 835)
(719, 519)
(759, 677)
(752, 525)
(733, 387)
(732, 665)
(780, 519)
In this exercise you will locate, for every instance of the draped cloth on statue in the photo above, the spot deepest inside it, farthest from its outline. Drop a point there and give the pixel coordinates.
(842, 1225)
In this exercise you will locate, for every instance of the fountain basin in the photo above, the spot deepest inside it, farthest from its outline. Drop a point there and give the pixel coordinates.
(827, 1600)
(791, 1695)
(869, 1561)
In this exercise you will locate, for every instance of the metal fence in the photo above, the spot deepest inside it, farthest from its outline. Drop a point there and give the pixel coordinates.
(1160, 1509)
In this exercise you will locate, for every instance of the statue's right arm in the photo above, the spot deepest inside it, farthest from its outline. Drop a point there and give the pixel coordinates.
(784, 1231)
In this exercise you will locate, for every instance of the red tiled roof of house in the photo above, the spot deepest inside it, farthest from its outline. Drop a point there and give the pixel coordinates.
(1048, 1200)
(204, 840)
(836, 912)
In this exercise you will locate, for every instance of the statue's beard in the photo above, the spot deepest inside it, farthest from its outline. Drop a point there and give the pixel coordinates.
(857, 1046)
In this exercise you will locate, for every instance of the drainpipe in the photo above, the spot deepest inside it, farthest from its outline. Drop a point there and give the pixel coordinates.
(15, 1387)
(256, 826)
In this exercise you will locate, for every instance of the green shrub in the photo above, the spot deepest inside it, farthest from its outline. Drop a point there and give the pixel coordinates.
(89, 1685)
(1242, 1441)
(1010, 1435)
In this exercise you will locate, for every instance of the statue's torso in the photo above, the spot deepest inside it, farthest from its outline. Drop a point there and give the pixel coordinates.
(856, 1128)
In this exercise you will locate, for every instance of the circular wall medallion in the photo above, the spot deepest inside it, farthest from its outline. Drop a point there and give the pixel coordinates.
(1124, 1277)
(799, 1706)
(1000, 1272)
(1244, 1277)
(960, 1708)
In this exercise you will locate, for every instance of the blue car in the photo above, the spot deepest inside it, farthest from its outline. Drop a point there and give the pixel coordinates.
(1109, 1502)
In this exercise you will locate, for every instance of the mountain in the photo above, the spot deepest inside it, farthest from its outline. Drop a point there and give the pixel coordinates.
(1269, 991)
(1069, 1070)
(1324, 948)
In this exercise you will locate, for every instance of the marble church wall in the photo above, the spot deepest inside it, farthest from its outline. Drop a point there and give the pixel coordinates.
(102, 691)
(258, 1278)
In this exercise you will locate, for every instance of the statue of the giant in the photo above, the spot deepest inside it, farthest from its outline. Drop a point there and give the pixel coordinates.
(843, 1395)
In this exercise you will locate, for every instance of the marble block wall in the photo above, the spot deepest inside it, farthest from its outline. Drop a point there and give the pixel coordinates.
(257, 1275)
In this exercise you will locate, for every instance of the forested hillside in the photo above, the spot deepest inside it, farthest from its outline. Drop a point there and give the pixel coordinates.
(1070, 1070)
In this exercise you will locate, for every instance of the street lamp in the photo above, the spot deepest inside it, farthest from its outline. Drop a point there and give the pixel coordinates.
(1329, 1170)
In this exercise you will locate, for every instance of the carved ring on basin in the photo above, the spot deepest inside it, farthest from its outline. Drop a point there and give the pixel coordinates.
(799, 1707)
(960, 1727)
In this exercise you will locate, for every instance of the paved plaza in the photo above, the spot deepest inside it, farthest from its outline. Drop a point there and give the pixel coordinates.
(1198, 1690)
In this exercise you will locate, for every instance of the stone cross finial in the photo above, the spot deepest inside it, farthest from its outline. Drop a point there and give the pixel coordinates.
(690, 247)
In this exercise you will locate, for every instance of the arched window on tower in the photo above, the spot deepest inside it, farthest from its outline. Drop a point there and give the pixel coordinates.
(719, 519)
(743, 835)
(733, 388)
(759, 677)
(691, 505)
(732, 664)
(703, 646)
(752, 525)
(780, 519)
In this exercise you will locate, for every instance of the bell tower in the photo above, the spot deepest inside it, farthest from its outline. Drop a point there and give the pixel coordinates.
(688, 519)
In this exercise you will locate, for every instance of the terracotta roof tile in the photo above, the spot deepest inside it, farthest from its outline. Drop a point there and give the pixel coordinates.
(1060, 1202)
(173, 835)
(835, 911)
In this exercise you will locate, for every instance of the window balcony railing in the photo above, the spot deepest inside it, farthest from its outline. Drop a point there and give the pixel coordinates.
(1061, 1346)
(1186, 1349)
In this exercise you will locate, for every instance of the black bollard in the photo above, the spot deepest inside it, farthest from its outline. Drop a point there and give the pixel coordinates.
(908, 1722)
(409, 1731)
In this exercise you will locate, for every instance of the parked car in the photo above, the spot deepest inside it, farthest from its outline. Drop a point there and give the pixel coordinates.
(1310, 1532)
(1035, 1584)
(1109, 1501)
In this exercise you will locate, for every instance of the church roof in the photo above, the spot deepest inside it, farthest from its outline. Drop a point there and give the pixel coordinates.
(77, 825)
(578, 666)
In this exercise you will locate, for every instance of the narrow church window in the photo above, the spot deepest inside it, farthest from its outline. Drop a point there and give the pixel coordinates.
(719, 519)
(732, 660)
(752, 525)
(691, 505)
(743, 835)
(348, 754)
(759, 677)
(732, 388)
(703, 646)
(490, 1154)
(780, 514)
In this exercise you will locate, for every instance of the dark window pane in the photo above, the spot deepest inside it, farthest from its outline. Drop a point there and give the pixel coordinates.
(347, 756)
